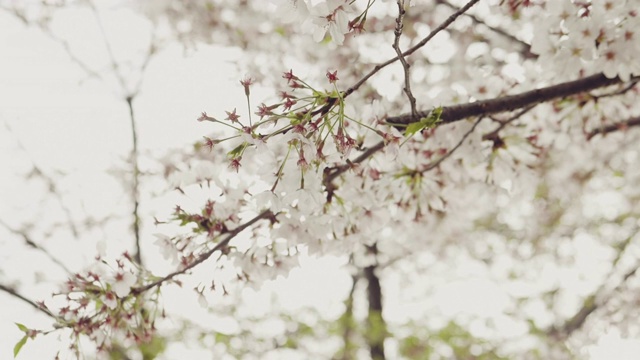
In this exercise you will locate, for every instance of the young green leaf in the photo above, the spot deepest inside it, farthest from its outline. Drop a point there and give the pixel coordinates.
(237, 151)
(433, 119)
(19, 344)
(22, 328)
(414, 128)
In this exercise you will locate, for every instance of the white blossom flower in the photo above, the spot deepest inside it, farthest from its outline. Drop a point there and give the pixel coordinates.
(331, 16)
(110, 300)
(291, 10)
(202, 300)
(123, 281)
(167, 248)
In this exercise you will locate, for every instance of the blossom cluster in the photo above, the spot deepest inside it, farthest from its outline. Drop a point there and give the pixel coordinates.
(317, 171)
(319, 17)
(580, 37)
(100, 305)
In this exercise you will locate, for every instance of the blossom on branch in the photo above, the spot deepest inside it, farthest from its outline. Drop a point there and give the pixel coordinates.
(122, 283)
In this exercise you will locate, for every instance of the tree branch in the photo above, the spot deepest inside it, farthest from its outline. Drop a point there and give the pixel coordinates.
(455, 113)
(405, 64)
(27, 239)
(135, 191)
(331, 174)
(526, 48)
(413, 49)
(267, 214)
(493, 135)
(377, 329)
(437, 162)
(597, 299)
(52, 186)
(17, 295)
(130, 96)
(513, 102)
(614, 127)
(347, 320)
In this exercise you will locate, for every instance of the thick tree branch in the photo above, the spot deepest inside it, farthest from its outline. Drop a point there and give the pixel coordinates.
(513, 102)
(483, 108)
(348, 323)
(377, 329)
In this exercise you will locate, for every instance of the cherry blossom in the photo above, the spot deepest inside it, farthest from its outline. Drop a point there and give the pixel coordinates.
(331, 16)
(122, 283)
(519, 138)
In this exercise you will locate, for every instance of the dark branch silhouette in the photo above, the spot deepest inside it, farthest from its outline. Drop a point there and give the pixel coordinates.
(376, 324)
(620, 126)
(16, 294)
(512, 102)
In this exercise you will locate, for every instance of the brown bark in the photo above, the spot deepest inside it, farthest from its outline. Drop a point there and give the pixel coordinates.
(512, 102)
(377, 328)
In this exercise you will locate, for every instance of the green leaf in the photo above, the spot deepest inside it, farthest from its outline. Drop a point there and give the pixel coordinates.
(22, 328)
(19, 344)
(426, 122)
(414, 128)
(237, 150)
(153, 348)
(437, 112)
(433, 119)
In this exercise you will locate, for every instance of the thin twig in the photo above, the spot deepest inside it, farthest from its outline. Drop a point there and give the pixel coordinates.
(526, 48)
(413, 49)
(52, 186)
(598, 298)
(65, 44)
(17, 295)
(623, 125)
(114, 63)
(333, 173)
(348, 321)
(267, 214)
(405, 64)
(376, 324)
(492, 135)
(27, 239)
(435, 164)
(130, 96)
(145, 63)
(624, 90)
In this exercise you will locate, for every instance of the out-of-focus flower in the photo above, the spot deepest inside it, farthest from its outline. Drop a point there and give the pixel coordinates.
(123, 281)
